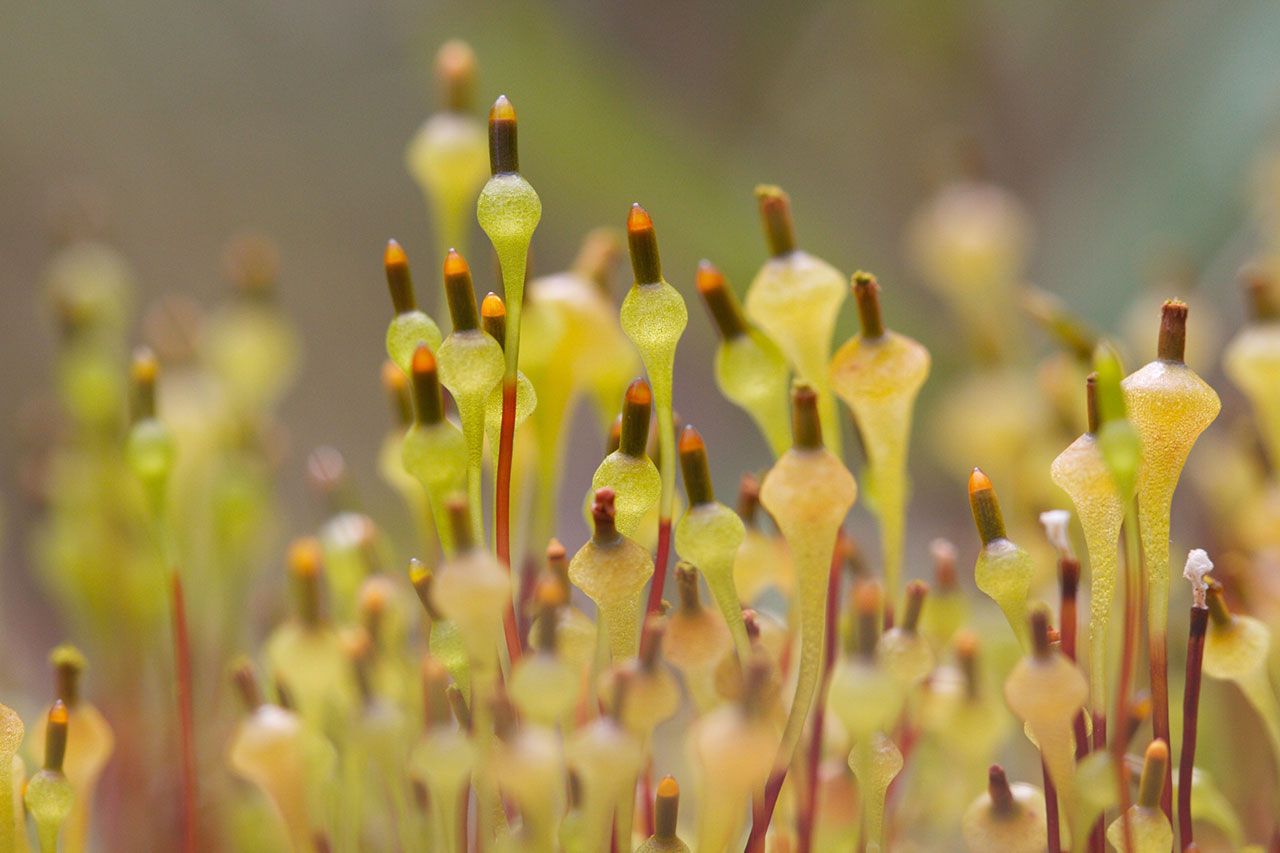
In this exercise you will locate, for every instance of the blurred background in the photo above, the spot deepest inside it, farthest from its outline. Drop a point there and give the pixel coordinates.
(1130, 133)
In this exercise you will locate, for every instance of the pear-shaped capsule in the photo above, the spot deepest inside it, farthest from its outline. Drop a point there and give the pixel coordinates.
(410, 327)
(442, 758)
(1006, 818)
(750, 369)
(697, 639)
(471, 365)
(472, 590)
(1147, 825)
(795, 298)
(666, 814)
(709, 535)
(11, 734)
(878, 374)
(433, 450)
(543, 685)
(1082, 473)
(1252, 359)
(49, 795)
(808, 492)
(763, 560)
(447, 156)
(1003, 570)
(1046, 691)
(654, 316)
(612, 570)
(628, 471)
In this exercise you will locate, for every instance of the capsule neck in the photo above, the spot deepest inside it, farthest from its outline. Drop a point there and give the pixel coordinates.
(805, 425)
(67, 683)
(725, 311)
(866, 291)
(1218, 611)
(646, 264)
(697, 476)
(1151, 784)
(462, 302)
(55, 739)
(666, 813)
(1173, 331)
(775, 215)
(428, 404)
(987, 516)
(246, 684)
(400, 285)
(687, 588)
(1002, 801)
(1091, 402)
(503, 156)
(635, 426)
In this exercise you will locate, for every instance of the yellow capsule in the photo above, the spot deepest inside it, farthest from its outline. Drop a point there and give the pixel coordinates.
(628, 471)
(1003, 570)
(508, 210)
(267, 750)
(864, 695)
(1252, 360)
(733, 748)
(795, 298)
(410, 327)
(11, 734)
(1169, 406)
(1006, 818)
(1082, 472)
(749, 368)
(709, 535)
(1148, 826)
(697, 639)
(1046, 691)
(433, 450)
(473, 591)
(49, 796)
(902, 650)
(654, 316)
(808, 492)
(612, 570)
(606, 758)
(878, 375)
(543, 685)
(875, 762)
(471, 365)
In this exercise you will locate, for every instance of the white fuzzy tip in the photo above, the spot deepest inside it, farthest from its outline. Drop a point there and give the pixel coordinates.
(942, 551)
(1055, 523)
(1198, 565)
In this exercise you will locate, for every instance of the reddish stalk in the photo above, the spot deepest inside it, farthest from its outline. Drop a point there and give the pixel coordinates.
(1051, 811)
(805, 819)
(1190, 719)
(646, 796)
(1132, 618)
(502, 506)
(1069, 573)
(186, 715)
(1158, 652)
(659, 577)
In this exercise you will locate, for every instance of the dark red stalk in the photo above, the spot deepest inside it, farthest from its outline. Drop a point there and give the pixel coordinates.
(502, 506)
(524, 612)
(805, 819)
(646, 798)
(1190, 719)
(186, 715)
(1069, 572)
(1132, 619)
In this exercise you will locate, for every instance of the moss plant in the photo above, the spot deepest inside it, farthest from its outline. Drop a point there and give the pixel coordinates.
(529, 700)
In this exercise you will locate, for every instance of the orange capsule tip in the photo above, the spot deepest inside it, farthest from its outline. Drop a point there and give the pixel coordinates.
(58, 713)
(424, 361)
(978, 481)
(638, 219)
(304, 556)
(1158, 750)
(868, 599)
(455, 265)
(393, 378)
(555, 550)
(394, 255)
(691, 441)
(493, 306)
(668, 788)
(708, 278)
(502, 110)
(639, 393)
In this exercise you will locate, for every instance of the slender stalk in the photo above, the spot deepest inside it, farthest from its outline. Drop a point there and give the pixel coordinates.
(1132, 619)
(502, 508)
(186, 715)
(1052, 830)
(807, 815)
(1190, 720)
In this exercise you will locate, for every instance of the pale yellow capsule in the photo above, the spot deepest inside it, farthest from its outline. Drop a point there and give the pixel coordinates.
(1252, 360)
(628, 471)
(878, 375)
(612, 570)
(1148, 826)
(1003, 570)
(1006, 818)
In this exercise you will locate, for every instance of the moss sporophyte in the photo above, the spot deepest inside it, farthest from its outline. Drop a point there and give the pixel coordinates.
(459, 680)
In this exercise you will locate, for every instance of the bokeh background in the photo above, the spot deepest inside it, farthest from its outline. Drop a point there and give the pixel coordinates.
(1129, 131)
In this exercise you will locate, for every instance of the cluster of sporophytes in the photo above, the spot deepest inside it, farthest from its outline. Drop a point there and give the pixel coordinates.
(458, 693)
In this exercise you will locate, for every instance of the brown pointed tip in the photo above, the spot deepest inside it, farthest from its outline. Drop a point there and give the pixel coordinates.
(456, 70)
(423, 360)
(555, 550)
(393, 378)
(58, 713)
(708, 278)
(492, 307)
(966, 643)
(502, 110)
(639, 393)
(691, 441)
(603, 503)
(304, 557)
(978, 481)
(1172, 342)
(455, 266)
(418, 571)
(864, 279)
(668, 788)
(998, 787)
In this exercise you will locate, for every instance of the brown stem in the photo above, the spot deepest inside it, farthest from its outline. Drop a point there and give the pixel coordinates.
(775, 213)
(186, 715)
(1172, 343)
(1190, 721)
(866, 290)
(503, 156)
